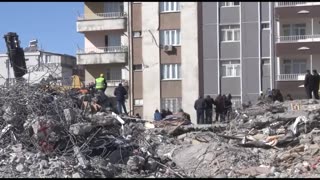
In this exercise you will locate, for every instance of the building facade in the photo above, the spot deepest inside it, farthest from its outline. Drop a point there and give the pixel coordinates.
(297, 29)
(178, 51)
(165, 73)
(41, 64)
(237, 49)
(105, 29)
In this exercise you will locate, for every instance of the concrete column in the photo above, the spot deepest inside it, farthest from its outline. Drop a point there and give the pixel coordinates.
(150, 58)
(189, 57)
(311, 59)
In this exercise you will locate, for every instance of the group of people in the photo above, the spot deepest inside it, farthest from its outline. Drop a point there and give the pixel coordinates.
(311, 84)
(120, 92)
(204, 108)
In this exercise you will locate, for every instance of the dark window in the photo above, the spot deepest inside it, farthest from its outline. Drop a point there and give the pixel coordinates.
(137, 67)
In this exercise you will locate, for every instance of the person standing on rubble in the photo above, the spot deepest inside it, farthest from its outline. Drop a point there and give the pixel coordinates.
(200, 106)
(209, 105)
(315, 83)
(308, 84)
(101, 83)
(220, 106)
(120, 92)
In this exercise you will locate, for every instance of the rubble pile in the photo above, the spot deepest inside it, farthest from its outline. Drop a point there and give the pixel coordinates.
(49, 133)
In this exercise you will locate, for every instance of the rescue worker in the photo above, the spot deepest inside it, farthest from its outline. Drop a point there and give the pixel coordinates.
(308, 84)
(199, 106)
(101, 83)
(315, 83)
(120, 92)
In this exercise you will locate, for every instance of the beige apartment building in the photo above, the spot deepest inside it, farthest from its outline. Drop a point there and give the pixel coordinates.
(172, 52)
(105, 29)
(297, 29)
(160, 71)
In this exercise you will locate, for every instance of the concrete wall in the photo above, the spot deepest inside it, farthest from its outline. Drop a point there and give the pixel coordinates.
(250, 51)
(101, 24)
(211, 76)
(102, 58)
(189, 59)
(150, 55)
(229, 15)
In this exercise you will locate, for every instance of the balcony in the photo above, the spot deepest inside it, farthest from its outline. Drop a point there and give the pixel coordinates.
(102, 55)
(295, 4)
(290, 77)
(299, 38)
(102, 22)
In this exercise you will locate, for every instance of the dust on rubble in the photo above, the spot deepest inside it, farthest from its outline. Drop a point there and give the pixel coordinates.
(48, 133)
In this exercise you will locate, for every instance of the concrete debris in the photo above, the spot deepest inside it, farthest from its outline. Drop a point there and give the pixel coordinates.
(49, 133)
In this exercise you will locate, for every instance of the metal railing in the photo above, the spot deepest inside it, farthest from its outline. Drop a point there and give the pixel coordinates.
(290, 77)
(286, 4)
(109, 49)
(292, 4)
(108, 15)
(314, 37)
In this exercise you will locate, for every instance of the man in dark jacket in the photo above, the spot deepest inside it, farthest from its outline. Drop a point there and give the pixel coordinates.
(200, 106)
(308, 84)
(315, 83)
(120, 92)
(209, 105)
(220, 107)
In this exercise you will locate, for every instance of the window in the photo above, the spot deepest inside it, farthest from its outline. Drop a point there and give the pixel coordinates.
(294, 66)
(294, 29)
(170, 37)
(229, 4)
(169, 6)
(170, 71)
(113, 74)
(173, 104)
(230, 33)
(137, 34)
(265, 26)
(137, 67)
(138, 102)
(230, 68)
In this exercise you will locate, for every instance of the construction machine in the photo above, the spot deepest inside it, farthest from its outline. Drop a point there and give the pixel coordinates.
(15, 54)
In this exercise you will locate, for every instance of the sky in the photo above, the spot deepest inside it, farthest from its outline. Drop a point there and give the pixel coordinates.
(52, 23)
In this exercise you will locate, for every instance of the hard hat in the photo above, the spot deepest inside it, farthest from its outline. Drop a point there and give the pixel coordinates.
(101, 75)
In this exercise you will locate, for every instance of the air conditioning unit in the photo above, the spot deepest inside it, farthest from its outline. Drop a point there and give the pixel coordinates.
(167, 48)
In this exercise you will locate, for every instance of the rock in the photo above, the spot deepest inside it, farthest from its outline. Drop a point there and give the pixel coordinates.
(20, 168)
(80, 128)
(135, 163)
(221, 176)
(69, 115)
(151, 164)
(44, 164)
(76, 175)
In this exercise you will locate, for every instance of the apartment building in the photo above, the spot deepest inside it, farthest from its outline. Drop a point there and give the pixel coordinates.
(105, 29)
(172, 52)
(41, 64)
(165, 66)
(237, 49)
(297, 29)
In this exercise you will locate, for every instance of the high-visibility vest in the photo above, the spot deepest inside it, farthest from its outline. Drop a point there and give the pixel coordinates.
(100, 83)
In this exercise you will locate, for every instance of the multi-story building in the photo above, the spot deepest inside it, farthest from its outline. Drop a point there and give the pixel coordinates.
(297, 29)
(105, 29)
(180, 50)
(237, 49)
(165, 73)
(41, 64)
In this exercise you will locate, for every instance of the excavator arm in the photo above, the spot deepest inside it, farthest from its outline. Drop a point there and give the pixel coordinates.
(15, 54)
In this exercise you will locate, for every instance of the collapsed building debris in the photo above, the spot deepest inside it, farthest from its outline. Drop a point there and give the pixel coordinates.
(45, 133)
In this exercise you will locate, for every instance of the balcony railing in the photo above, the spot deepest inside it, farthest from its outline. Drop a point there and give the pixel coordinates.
(299, 38)
(290, 77)
(102, 15)
(109, 49)
(292, 4)
(286, 4)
